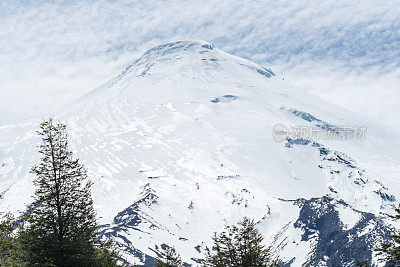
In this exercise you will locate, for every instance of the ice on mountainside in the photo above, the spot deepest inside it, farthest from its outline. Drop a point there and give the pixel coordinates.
(181, 142)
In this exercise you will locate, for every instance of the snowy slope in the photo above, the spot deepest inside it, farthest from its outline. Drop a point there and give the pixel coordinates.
(181, 142)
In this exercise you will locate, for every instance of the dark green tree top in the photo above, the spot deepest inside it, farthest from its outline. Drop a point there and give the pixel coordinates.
(61, 227)
(10, 248)
(170, 258)
(390, 252)
(239, 246)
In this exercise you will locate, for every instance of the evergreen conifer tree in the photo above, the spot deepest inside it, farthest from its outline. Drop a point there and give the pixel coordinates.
(390, 252)
(170, 258)
(61, 227)
(239, 246)
(10, 248)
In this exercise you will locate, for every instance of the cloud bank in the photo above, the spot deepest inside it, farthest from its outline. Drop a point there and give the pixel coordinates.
(348, 52)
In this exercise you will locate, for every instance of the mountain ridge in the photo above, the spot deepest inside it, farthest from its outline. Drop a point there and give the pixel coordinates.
(181, 142)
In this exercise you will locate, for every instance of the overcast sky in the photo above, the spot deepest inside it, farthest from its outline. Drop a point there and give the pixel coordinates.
(52, 52)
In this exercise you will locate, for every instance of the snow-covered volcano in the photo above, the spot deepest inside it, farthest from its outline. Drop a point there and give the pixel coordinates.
(181, 143)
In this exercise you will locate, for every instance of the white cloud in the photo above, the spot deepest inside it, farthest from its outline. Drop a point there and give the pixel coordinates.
(371, 93)
(346, 51)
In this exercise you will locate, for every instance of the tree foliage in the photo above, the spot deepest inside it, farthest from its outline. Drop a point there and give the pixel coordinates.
(60, 224)
(390, 252)
(239, 246)
(170, 258)
(10, 247)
